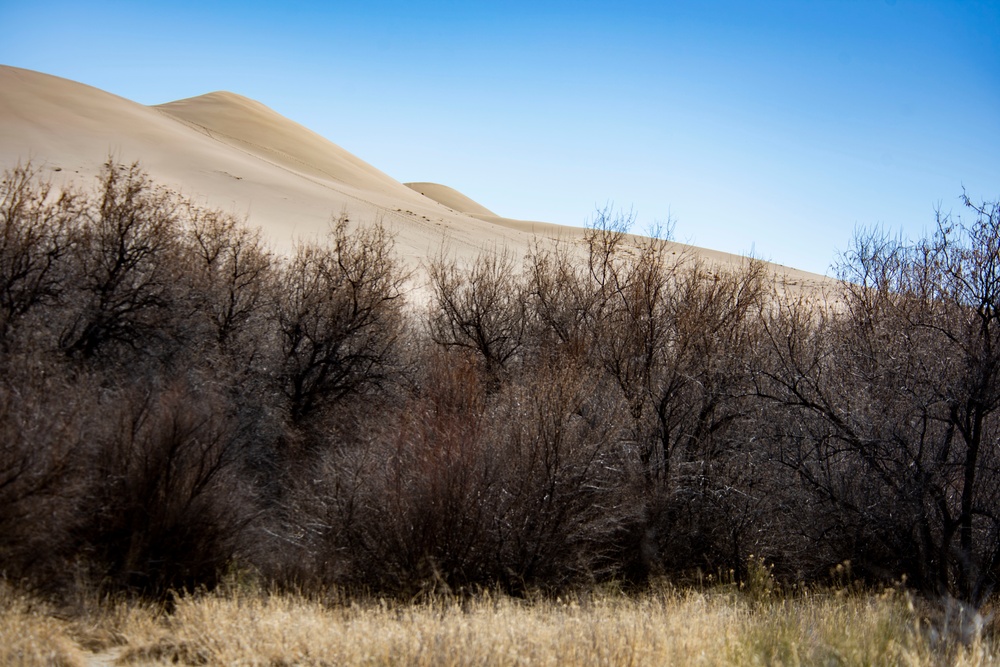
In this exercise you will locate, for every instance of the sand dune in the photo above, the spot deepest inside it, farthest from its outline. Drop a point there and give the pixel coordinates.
(225, 151)
(233, 153)
(450, 197)
(250, 126)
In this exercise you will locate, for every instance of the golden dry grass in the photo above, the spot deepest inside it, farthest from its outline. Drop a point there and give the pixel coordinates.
(662, 627)
(31, 635)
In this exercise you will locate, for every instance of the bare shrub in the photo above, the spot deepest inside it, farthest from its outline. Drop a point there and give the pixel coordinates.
(604, 412)
(410, 509)
(165, 508)
(518, 487)
(338, 318)
(480, 308)
(668, 339)
(35, 221)
(563, 489)
(233, 270)
(122, 277)
(897, 399)
(44, 422)
(675, 338)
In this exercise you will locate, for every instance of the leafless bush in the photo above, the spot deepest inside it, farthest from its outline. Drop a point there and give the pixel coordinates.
(480, 308)
(44, 424)
(897, 396)
(338, 317)
(525, 486)
(165, 508)
(393, 512)
(123, 273)
(233, 273)
(35, 223)
(566, 505)
(603, 411)
(675, 339)
(668, 339)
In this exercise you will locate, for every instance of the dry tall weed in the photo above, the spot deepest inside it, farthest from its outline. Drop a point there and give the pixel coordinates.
(664, 626)
(30, 635)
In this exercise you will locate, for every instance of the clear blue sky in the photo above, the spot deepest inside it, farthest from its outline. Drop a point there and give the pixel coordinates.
(773, 126)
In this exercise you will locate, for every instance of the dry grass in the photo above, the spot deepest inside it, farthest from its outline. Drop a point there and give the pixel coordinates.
(662, 627)
(30, 635)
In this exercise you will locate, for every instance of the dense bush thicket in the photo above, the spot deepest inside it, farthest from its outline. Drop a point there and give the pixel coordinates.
(177, 401)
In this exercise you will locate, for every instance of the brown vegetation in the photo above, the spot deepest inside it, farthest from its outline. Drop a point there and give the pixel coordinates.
(176, 401)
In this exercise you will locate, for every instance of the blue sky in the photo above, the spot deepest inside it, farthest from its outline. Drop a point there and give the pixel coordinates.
(776, 127)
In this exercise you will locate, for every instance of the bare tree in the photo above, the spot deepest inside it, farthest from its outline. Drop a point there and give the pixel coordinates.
(480, 308)
(35, 220)
(124, 273)
(897, 389)
(675, 334)
(560, 301)
(338, 317)
(564, 501)
(234, 272)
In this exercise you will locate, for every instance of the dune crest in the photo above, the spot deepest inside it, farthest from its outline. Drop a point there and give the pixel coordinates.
(249, 125)
(450, 197)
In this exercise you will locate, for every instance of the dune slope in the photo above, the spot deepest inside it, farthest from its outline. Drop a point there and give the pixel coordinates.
(450, 197)
(233, 153)
(225, 151)
(250, 126)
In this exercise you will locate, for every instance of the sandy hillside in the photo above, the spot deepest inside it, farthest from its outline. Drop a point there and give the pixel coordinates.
(451, 198)
(234, 153)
